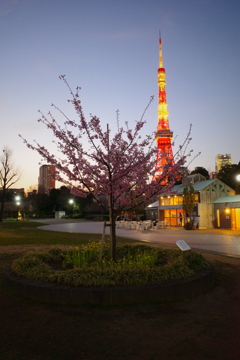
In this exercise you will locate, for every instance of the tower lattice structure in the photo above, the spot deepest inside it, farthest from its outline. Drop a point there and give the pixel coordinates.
(163, 135)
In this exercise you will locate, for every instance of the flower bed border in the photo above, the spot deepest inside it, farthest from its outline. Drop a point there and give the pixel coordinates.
(117, 295)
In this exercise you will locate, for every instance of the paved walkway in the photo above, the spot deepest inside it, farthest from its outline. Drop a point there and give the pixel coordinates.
(218, 241)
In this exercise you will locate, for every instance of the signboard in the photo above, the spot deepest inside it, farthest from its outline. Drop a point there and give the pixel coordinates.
(183, 245)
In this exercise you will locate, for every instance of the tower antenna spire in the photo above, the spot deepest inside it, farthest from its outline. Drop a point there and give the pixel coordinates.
(160, 51)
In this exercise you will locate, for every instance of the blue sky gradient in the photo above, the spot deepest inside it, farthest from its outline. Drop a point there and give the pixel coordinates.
(110, 49)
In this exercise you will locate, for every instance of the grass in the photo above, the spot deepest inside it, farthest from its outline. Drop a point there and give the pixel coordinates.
(135, 265)
(27, 233)
(206, 327)
(147, 265)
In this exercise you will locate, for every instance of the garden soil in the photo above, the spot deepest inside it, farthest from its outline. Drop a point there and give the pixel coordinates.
(205, 327)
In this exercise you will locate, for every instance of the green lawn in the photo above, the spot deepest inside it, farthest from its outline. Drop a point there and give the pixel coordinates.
(27, 233)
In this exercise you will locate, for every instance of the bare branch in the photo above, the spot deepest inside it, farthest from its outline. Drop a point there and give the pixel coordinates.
(9, 175)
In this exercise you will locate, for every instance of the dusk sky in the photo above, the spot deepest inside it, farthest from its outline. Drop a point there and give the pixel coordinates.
(110, 49)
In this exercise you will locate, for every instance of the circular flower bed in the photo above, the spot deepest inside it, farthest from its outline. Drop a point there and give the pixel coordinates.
(84, 267)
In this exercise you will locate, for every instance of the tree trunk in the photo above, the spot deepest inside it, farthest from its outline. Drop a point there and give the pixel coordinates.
(112, 229)
(113, 239)
(1, 211)
(2, 204)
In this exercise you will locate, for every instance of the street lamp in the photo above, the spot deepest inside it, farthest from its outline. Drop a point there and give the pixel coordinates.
(237, 186)
(18, 202)
(71, 202)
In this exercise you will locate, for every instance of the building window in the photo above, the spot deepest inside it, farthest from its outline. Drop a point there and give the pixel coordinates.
(174, 217)
(171, 200)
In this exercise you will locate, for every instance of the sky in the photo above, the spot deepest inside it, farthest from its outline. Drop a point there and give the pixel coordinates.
(110, 49)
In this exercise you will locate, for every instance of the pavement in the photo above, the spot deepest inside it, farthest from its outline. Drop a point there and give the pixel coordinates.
(217, 241)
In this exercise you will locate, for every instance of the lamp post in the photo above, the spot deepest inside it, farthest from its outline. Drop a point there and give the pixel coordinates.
(17, 199)
(237, 187)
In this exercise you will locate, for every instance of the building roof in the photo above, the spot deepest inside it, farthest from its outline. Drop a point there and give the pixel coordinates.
(198, 186)
(178, 189)
(153, 205)
(228, 199)
(202, 184)
(192, 179)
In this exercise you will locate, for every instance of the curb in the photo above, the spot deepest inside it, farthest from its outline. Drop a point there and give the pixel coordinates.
(119, 295)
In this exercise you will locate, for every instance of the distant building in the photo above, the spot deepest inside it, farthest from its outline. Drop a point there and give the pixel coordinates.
(11, 193)
(221, 161)
(46, 179)
(213, 175)
(31, 193)
(15, 191)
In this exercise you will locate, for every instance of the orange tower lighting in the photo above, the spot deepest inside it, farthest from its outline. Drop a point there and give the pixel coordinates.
(163, 134)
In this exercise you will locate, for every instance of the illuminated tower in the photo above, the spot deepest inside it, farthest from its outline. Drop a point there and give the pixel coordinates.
(163, 134)
(221, 161)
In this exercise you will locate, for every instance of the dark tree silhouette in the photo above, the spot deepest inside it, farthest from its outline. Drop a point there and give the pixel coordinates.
(228, 174)
(9, 175)
(201, 170)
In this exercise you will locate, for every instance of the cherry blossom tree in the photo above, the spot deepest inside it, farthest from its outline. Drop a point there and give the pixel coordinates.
(116, 167)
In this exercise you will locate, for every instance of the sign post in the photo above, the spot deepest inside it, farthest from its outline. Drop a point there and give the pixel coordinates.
(102, 240)
(184, 247)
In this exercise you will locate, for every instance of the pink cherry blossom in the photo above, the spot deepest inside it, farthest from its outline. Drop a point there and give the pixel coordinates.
(120, 166)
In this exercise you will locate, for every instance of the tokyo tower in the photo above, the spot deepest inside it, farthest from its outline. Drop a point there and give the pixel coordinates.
(163, 135)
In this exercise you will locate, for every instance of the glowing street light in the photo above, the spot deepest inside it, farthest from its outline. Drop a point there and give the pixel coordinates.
(18, 203)
(17, 199)
(71, 202)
